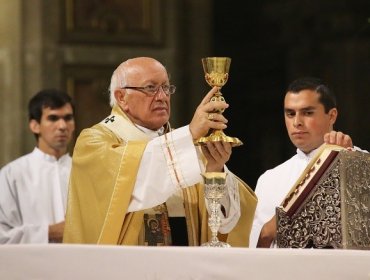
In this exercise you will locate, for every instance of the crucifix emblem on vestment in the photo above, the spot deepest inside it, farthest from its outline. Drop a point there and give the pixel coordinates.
(109, 119)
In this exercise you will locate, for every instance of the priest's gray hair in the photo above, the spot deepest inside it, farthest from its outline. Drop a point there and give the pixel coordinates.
(117, 81)
(120, 75)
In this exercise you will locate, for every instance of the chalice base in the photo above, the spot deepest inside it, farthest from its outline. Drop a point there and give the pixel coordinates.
(217, 243)
(218, 136)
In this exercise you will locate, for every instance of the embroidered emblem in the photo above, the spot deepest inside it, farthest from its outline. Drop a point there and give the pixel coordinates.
(157, 230)
(109, 119)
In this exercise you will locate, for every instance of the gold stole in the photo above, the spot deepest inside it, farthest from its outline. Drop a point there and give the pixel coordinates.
(113, 230)
(157, 217)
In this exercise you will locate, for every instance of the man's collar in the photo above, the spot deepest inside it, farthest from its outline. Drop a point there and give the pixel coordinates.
(151, 133)
(309, 155)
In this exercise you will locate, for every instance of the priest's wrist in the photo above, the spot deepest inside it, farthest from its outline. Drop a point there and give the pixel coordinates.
(214, 168)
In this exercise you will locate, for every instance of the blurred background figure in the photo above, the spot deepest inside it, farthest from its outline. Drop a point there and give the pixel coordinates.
(33, 188)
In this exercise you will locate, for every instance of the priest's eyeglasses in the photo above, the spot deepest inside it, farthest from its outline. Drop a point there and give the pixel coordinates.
(151, 90)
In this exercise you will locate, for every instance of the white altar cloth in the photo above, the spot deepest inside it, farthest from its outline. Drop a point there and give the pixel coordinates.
(62, 261)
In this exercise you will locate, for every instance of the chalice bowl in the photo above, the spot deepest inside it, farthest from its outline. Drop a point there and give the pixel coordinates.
(214, 191)
(216, 71)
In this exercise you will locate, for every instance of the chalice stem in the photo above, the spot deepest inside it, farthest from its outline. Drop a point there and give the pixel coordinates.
(214, 219)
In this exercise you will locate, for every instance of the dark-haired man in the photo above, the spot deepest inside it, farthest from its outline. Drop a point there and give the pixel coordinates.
(310, 113)
(33, 188)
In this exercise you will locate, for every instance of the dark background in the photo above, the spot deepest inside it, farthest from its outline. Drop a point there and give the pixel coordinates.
(273, 42)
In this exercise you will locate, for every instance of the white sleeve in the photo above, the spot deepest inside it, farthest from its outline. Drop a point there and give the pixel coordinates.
(269, 194)
(359, 149)
(13, 228)
(231, 204)
(256, 229)
(259, 216)
(169, 162)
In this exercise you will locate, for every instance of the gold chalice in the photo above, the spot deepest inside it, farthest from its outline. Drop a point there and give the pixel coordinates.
(216, 71)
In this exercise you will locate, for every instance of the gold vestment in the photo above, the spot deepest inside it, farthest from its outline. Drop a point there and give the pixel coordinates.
(106, 159)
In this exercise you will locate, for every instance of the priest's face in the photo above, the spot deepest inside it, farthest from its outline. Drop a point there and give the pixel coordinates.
(55, 129)
(146, 97)
(306, 119)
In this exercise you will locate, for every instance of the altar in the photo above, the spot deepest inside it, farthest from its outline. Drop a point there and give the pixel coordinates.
(62, 261)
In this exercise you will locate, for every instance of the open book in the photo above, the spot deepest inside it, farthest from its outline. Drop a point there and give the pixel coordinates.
(309, 178)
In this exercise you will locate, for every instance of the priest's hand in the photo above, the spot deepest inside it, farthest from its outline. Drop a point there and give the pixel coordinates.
(217, 154)
(206, 116)
(268, 234)
(338, 138)
(56, 232)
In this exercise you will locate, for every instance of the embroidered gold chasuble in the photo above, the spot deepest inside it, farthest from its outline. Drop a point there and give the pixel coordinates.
(106, 159)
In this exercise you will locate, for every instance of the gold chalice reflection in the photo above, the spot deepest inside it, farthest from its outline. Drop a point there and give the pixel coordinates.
(216, 71)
